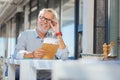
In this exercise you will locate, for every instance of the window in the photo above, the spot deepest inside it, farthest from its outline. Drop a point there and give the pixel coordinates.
(2, 40)
(33, 14)
(68, 25)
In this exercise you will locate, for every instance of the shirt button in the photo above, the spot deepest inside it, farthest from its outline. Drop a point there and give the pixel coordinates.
(42, 40)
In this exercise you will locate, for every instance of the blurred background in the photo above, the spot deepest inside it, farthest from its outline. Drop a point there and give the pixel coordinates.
(85, 24)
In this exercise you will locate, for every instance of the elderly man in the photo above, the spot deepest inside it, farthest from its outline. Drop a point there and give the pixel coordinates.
(30, 42)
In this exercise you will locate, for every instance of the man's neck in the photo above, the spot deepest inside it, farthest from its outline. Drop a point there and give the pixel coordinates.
(40, 34)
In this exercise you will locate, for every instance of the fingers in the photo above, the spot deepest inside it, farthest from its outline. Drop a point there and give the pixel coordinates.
(54, 25)
(39, 53)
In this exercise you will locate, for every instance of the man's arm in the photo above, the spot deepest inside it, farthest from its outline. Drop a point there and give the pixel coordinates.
(28, 55)
(61, 42)
(38, 53)
(20, 48)
(62, 52)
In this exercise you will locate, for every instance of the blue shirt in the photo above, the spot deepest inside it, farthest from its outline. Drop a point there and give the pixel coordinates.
(29, 41)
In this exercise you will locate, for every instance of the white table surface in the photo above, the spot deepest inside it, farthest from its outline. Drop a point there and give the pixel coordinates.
(28, 68)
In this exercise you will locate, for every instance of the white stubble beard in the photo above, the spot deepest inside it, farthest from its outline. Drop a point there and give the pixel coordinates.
(41, 30)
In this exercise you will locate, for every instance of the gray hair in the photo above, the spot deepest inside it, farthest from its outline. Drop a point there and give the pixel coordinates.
(48, 10)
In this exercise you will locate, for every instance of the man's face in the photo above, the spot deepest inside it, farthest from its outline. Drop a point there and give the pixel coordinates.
(44, 20)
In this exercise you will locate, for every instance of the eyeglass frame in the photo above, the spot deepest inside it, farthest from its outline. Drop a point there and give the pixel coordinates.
(46, 19)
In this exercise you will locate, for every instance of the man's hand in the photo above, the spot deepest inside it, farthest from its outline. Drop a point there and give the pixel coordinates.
(55, 25)
(39, 53)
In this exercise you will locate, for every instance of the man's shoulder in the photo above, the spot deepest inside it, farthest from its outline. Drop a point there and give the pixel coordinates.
(29, 31)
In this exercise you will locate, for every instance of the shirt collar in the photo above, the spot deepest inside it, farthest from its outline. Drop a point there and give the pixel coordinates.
(37, 36)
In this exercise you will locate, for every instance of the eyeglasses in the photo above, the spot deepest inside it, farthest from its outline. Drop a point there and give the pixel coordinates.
(44, 18)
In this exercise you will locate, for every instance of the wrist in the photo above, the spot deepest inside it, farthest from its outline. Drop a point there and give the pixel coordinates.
(58, 34)
(28, 55)
(33, 54)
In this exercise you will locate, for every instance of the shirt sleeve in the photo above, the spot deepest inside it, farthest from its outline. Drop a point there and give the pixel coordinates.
(62, 53)
(20, 48)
